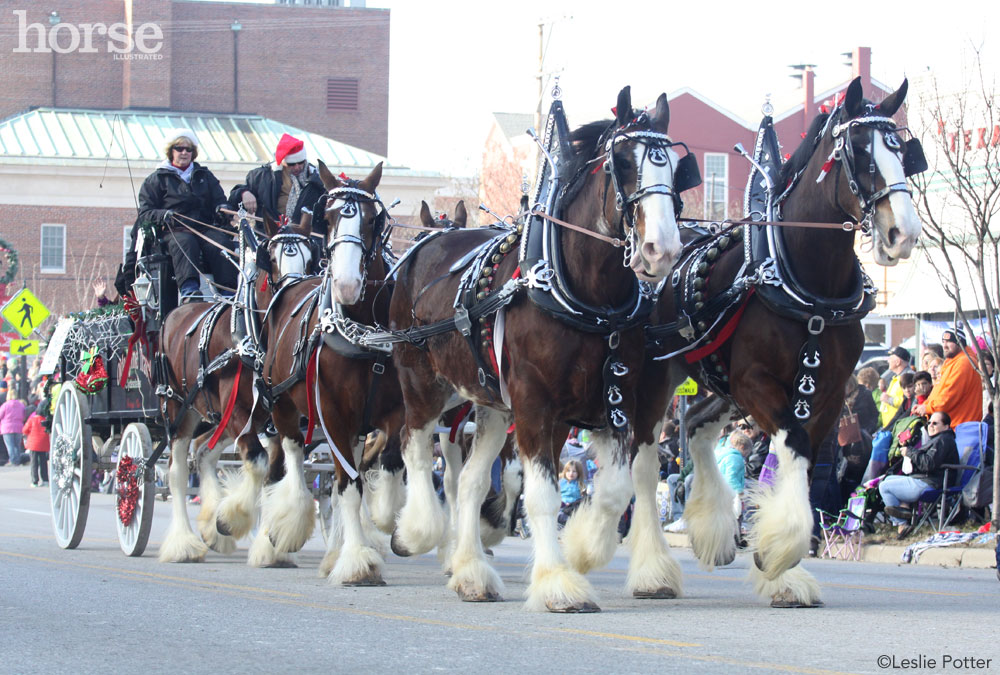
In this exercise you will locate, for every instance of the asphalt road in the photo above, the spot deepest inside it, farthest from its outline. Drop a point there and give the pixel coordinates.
(93, 610)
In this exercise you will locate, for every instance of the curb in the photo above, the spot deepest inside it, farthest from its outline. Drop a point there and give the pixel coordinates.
(947, 556)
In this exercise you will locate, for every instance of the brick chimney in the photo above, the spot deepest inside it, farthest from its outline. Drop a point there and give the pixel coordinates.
(861, 66)
(809, 96)
(146, 81)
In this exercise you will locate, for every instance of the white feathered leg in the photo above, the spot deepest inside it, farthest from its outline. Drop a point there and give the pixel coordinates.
(555, 586)
(210, 491)
(420, 525)
(289, 510)
(238, 509)
(590, 537)
(652, 571)
(358, 564)
(452, 453)
(708, 510)
(181, 543)
(472, 576)
(334, 532)
(781, 530)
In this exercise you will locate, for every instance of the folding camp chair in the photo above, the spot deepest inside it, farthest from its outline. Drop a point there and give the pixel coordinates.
(843, 534)
(971, 439)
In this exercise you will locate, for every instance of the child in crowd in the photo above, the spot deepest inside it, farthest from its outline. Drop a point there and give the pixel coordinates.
(571, 488)
(36, 440)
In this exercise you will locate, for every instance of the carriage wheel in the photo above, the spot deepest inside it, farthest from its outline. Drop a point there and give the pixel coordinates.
(134, 505)
(70, 467)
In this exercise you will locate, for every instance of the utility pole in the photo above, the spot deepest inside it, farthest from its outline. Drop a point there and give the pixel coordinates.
(541, 66)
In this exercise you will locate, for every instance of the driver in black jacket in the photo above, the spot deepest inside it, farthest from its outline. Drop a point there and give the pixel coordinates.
(181, 196)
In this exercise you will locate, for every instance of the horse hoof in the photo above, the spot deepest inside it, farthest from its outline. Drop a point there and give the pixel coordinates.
(398, 548)
(367, 582)
(282, 564)
(482, 596)
(662, 593)
(222, 528)
(585, 607)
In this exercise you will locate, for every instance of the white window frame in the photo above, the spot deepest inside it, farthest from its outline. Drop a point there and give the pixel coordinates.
(126, 240)
(707, 183)
(887, 323)
(41, 250)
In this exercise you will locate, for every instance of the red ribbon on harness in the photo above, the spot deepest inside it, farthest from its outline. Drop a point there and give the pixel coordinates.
(459, 418)
(310, 382)
(138, 335)
(221, 429)
(723, 335)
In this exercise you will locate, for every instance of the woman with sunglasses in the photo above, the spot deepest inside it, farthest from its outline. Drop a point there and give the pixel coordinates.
(925, 471)
(183, 198)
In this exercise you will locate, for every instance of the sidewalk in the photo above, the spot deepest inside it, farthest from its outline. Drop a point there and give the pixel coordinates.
(948, 556)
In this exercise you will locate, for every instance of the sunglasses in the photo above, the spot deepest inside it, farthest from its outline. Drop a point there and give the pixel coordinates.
(744, 427)
(296, 163)
(183, 148)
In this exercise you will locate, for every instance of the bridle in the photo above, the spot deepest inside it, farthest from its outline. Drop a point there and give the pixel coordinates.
(352, 197)
(287, 244)
(911, 157)
(655, 146)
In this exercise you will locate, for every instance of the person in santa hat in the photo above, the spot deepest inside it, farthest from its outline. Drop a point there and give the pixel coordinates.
(283, 187)
(183, 198)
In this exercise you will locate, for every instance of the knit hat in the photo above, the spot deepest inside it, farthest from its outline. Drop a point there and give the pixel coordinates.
(290, 150)
(177, 134)
(901, 352)
(957, 333)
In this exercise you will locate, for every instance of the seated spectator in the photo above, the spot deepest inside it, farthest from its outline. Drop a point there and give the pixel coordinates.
(857, 454)
(923, 469)
(906, 381)
(669, 449)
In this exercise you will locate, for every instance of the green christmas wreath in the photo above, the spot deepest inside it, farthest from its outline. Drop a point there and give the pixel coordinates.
(12, 264)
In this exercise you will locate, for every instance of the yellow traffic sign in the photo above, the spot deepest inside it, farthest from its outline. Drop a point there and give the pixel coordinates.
(687, 388)
(25, 312)
(23, 347)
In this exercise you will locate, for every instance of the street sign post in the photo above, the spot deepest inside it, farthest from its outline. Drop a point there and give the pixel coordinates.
(25, 312)
(687, 388)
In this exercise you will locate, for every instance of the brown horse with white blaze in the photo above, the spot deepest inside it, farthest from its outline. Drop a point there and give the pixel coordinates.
(551, 373)
(776, 335)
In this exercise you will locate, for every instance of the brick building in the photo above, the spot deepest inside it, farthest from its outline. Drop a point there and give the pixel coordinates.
(317, 67)
(84, 114)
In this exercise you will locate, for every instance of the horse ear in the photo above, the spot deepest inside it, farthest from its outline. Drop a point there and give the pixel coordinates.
(370, 182)
(425, 215)
(329, 180)
(854, 99)
(461, 215)
(661, 113)
(624, 110)
(891, 103)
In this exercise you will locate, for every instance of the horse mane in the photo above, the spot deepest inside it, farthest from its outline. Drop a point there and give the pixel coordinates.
(803, 153)
(585, 141)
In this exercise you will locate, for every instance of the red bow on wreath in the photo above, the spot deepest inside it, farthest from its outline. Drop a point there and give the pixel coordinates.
(134, 310)
(93, 375)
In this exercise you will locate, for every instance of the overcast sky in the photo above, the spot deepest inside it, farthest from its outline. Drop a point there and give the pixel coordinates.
(453, 62)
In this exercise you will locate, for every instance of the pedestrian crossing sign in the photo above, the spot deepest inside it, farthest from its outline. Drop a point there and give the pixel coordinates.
(25, 312)
(687, 388)
(27, 347)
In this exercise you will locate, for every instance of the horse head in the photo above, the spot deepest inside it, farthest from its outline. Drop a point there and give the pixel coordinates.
(459, 221)
(355, 220)
(290, 253)
(647, 175)
(873, 163)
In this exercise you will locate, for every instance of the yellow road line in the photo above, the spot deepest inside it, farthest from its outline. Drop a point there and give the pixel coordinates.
(634, 643)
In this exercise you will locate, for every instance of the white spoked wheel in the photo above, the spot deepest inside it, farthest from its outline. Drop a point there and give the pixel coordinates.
(135, 494)
(70, 466)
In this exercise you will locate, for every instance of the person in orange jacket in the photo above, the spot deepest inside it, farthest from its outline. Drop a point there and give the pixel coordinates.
(959, 390)
(36, 439)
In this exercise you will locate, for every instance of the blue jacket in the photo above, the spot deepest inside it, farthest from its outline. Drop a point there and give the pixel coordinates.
(731, 466)
(570, 491)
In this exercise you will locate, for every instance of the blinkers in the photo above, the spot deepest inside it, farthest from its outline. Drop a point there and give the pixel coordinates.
(914, 161)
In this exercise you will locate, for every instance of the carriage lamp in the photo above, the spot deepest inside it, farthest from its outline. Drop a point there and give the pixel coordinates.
(142, 286)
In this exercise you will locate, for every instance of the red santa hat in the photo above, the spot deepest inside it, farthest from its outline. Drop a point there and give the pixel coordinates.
(290, 150)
